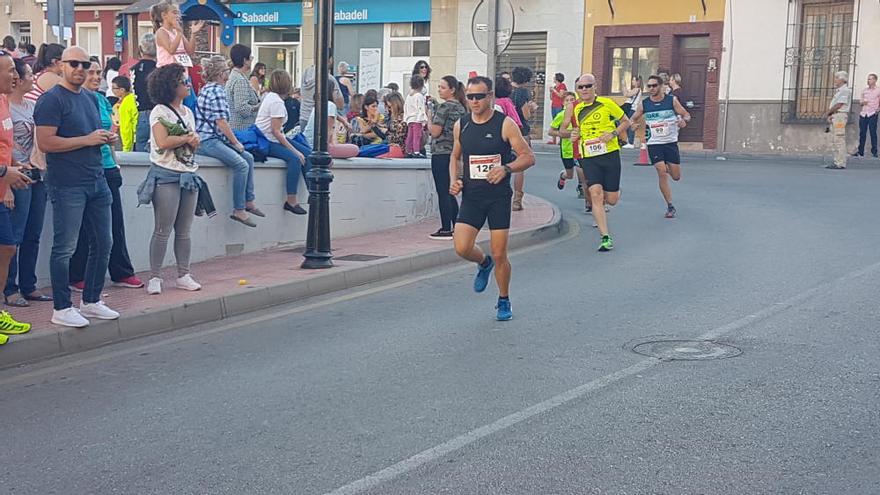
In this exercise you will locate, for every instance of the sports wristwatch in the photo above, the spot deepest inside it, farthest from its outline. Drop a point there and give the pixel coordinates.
(507, 169)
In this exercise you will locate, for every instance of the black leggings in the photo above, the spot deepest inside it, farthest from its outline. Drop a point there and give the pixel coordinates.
(447, 202)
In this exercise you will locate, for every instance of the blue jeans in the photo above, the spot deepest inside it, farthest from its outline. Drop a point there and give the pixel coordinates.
(242, 165)
(72, 206)
(142, 132)
(294, 166)
(27, 227)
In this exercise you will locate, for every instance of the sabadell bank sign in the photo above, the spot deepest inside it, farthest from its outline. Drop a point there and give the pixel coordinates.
(265, 18)
(351, 15)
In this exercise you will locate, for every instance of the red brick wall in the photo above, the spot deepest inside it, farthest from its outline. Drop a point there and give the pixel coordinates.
(667, 35)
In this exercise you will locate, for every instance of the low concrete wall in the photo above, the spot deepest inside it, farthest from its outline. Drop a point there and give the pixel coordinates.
(366, 195)
(756, 127)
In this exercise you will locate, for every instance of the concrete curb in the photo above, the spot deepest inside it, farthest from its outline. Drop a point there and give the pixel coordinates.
(61, 341)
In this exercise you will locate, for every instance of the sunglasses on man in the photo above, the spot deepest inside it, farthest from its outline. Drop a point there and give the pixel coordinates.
(585, 86)
(653, 85)
(476, 96)
(76, 63)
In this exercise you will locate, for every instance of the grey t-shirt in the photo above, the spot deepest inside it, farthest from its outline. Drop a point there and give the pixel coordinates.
(448, 113)
(308, 95)
(842, 95)
(23, 130)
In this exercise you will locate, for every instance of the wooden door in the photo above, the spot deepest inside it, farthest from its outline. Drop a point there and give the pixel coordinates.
(692, 62)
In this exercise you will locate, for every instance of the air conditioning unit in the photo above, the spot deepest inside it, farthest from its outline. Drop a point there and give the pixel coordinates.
(8, 9)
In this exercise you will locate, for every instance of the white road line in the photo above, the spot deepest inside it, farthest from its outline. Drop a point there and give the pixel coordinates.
(574, 231)
(459, 442)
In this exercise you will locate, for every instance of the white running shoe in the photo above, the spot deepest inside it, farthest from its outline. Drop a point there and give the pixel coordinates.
(69, 317)
(98, 310)
(628, 146)
(186, 282)
(154, 286)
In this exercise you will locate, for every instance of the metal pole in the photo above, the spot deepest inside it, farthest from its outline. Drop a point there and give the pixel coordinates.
(317, 253)
(492, 45)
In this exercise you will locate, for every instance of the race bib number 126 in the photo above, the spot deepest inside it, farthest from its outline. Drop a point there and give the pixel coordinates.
(480, 165)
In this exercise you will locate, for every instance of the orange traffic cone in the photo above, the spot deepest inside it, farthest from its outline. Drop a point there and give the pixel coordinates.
(644, 161)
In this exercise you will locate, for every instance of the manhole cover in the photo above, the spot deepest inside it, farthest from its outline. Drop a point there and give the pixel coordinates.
(686, 350)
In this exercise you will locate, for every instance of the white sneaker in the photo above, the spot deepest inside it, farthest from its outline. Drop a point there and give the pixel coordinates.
(154, 286)
(98, 310)
(628, 146)
(186, 282)
(69, 317)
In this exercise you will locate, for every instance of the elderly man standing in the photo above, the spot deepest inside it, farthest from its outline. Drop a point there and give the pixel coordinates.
(69, 131)
(868, 116)
(838, 114)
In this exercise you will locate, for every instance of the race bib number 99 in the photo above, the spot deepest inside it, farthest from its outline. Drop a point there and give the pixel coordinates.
(660, 130)
(480, 165)
(595, 149)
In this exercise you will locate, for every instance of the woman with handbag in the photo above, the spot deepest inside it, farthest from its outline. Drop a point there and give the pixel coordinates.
(218, 141)
(171, 185)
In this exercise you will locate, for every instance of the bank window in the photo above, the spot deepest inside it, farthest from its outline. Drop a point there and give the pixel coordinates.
(819, 43)
(412, 39)
(629, 61)
(277, 34)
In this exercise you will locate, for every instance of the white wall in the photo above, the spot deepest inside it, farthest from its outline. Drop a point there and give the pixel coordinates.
(759, 47)
(561, 19)
(365, 196)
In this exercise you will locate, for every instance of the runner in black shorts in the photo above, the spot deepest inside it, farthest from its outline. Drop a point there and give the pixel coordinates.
(596, 136)
(480, 168)
(664, 116)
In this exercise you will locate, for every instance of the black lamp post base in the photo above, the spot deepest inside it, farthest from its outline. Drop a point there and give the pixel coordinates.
(316, 261)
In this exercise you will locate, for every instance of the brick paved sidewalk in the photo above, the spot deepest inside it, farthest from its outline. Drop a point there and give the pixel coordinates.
(275, 271)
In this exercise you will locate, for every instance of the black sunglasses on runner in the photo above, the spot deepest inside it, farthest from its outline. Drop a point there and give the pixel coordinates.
(476, 96)
(76, 63)
(585, 86)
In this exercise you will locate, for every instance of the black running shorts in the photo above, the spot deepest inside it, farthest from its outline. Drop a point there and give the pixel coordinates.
(603, 170)
(475, 211)
(568, 163)
(667, 153)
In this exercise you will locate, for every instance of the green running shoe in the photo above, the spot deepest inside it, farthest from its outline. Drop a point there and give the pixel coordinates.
(9, 326)
(607, 243)
(3, 339)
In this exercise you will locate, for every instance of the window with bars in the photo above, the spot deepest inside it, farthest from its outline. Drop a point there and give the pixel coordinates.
(411, 39)
(820, 42)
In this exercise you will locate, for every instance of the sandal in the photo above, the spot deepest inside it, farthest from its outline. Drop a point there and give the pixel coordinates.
(17, 301)
(39, 297)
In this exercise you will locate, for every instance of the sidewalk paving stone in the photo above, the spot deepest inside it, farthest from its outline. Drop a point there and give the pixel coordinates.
(235, 285)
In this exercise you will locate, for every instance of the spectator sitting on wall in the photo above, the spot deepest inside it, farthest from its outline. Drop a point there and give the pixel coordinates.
(356, 104)
(30, 56)
(397, 127)
(370, 125)
(293, 103)
(258, 78)
(336, 150)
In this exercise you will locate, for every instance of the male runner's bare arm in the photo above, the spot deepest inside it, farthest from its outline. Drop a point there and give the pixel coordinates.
(455, 182)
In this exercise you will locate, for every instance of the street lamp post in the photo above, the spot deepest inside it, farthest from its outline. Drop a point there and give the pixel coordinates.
(318, 253)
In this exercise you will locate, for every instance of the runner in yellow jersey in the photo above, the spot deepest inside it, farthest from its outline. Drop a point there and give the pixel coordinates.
(595, 137)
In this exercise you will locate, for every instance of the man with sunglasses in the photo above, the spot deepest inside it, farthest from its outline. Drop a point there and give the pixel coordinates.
(595, 136)
(664, 116)
(69, 132)
(480, 168)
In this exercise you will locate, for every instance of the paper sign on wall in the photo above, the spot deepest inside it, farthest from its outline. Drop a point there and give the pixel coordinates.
(370, 75)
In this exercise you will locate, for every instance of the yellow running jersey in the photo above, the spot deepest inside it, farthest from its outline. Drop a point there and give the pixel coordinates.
(595, 120)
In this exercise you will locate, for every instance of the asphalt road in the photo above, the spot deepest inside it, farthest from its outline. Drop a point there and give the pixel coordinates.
(415, 389)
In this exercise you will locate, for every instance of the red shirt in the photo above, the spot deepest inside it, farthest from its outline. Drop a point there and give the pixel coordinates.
(6, 138)
(558, 101)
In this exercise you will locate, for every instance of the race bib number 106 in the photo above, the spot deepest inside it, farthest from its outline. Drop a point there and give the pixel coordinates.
(595, 149)
(480, 165)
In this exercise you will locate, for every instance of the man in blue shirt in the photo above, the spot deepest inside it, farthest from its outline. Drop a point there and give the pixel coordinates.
(69, 132)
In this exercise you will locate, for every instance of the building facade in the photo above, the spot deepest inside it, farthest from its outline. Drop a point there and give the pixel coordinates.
(539, 38)
(641, 38)
(777, 75)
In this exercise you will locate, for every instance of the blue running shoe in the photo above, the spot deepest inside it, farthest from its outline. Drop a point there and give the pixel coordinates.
(481, 281)
(504, 311)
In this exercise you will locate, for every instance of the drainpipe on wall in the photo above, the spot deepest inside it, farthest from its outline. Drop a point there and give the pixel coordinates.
(729, 66)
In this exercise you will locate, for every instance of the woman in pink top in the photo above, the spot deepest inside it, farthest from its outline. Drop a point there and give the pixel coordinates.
(172, 47)
(503, 103)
